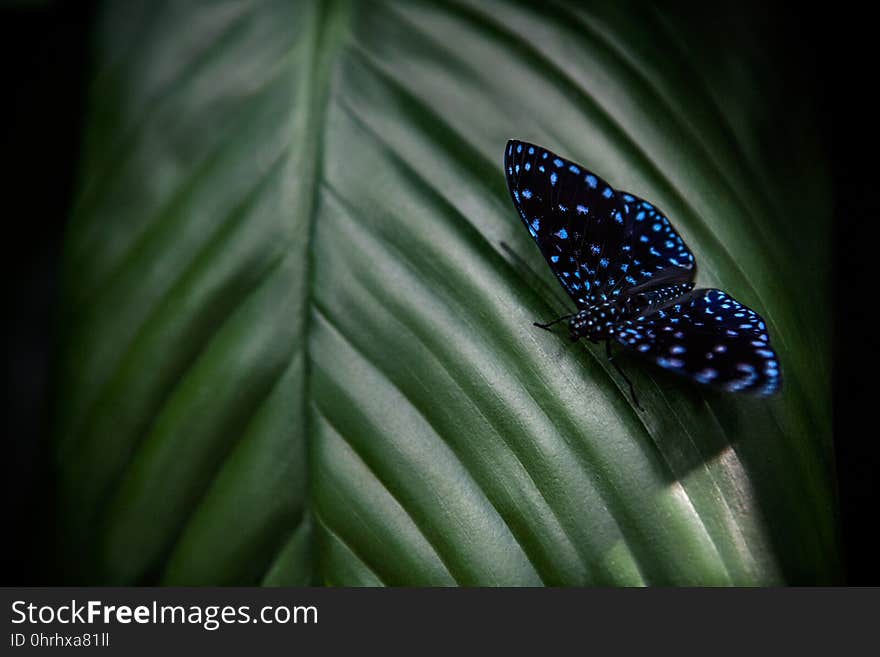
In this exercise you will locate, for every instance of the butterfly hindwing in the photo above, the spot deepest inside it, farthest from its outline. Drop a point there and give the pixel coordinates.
(574, 216)
(710, 337)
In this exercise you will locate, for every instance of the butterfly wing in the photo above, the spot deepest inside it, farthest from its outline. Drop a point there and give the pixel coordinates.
(658, 254)
(574, 216)
(710, 337)
(600, 243)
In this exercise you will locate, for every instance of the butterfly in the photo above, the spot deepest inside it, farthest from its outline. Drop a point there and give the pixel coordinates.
(631, 276)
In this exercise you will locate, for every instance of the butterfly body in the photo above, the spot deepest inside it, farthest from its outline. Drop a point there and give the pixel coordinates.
(604, 320)
(631, 276)
(599, 322)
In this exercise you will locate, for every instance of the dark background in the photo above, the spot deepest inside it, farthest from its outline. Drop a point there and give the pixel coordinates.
(44, 64)
(44, 59)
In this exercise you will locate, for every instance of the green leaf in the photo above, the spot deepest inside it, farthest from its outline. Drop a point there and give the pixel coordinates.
(296, 351)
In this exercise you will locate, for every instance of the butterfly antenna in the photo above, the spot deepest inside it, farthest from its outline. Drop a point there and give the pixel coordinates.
(632, 390)
(547, 326)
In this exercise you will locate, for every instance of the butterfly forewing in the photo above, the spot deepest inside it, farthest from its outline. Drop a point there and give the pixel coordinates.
(658, 254)
(710, 337)
(573, 215)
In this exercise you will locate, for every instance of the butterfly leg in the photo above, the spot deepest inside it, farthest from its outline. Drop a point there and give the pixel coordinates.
(632, 390)
(547, 326)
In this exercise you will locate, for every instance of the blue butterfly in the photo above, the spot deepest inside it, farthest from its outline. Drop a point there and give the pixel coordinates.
(632, 276)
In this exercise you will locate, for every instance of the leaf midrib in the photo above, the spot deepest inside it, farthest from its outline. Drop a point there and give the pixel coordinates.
(331, 29)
